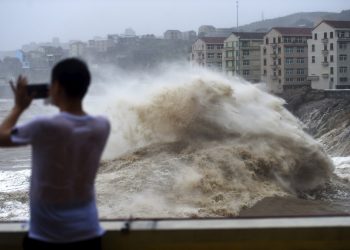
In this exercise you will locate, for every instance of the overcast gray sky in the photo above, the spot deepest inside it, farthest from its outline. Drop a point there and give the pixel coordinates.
(23, 21)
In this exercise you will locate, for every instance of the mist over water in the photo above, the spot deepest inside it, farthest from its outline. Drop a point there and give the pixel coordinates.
(192, 142)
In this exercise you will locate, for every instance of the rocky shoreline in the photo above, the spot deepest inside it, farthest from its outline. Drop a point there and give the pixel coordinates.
(326, 115)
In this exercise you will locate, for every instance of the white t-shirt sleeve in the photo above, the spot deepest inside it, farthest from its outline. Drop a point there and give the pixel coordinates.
(24, 133)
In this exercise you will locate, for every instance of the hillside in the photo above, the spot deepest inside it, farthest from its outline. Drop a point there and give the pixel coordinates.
(306, 19)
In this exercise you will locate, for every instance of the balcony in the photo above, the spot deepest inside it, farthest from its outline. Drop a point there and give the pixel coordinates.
(274, 66)
(325, 40)
(325, 52)
(295, 42)
(313, 78)
(325, 75)
(325, 64)
(343, 39)
(274, 55)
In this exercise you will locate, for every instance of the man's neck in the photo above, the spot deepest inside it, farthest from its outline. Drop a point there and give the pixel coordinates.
(73, 107)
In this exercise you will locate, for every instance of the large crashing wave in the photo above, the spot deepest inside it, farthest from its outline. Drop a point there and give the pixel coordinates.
(199, 144)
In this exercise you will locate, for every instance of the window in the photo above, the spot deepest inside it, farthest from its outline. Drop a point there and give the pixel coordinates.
(289, 79)
(315, 36)
(219, 55)
(229, 64)
(289, 60)
(279, 39)
(325, 35)
(343, 79)
(331, 59)
(279, 50)
(300, 79)
(331, 46)
(210, 55)
(279, 72)
(300, 49)
(325, 59)
(289, 71)
(246, 62)
(265, 73)
(331, 71)
(245, 43)
(219, 46)
(246, 52)
(210, 46)
(300, 71)
(264, 51)
(289, 50)
(279, 61)
(341, 34)
(331, 35)
(325, 47)
(288, 39)
(343, 69)
(264, 62)
(300, 60)
(313, 59)
(274, 40)
(266, 41)
(313, 48)
(246, 72)
(342, 57)
(342, 45)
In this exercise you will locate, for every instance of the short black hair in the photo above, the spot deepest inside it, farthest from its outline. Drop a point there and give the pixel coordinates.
(73, 75)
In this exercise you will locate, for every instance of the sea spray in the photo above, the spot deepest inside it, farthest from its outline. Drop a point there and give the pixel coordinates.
(192, 142)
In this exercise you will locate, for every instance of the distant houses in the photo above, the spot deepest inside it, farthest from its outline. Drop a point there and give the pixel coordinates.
(284, 57)
(207, 52)
(178, 35)
(241, 55)
(329, 55)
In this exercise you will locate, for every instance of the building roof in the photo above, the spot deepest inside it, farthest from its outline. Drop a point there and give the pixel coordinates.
(336, 24)
(249, 35)
(213, 39)
(293, 31)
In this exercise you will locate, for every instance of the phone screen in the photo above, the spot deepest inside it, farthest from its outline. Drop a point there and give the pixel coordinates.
(38, 91)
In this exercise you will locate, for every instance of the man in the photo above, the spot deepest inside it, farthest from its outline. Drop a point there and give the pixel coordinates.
(66, 151)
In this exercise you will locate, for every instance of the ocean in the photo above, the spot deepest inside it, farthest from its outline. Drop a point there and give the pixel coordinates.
(193, 143)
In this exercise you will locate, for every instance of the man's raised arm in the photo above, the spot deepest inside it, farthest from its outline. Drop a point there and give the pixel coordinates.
(22, 102)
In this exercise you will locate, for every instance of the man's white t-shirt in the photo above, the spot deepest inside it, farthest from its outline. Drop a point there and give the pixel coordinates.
(66, 152)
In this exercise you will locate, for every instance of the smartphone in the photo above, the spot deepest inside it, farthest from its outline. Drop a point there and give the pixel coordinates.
(38, 90)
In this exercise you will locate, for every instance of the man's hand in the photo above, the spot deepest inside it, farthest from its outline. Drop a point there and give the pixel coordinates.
(22, 102)
(22, 99)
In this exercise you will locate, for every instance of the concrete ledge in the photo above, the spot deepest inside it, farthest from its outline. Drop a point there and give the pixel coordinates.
(241, 233)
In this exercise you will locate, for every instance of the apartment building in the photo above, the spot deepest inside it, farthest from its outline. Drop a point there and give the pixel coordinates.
(284, 58)
(207, 52)
(329, 55)
(99, 44)
(77, 49)
(173, 35)
(241, 55)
